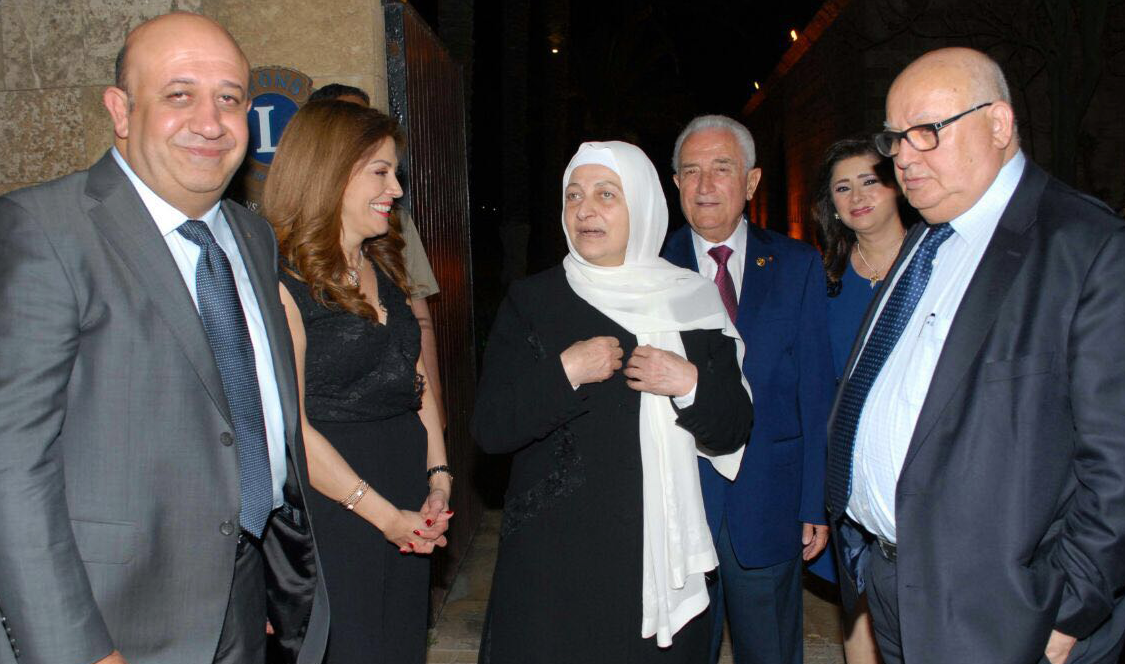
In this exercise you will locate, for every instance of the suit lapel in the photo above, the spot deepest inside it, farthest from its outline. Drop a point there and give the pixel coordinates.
(913, 237)
(758, 272)
(680, 250)
(981, 304)
(124, 221)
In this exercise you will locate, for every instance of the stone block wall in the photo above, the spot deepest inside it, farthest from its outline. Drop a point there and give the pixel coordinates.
(56, 58)
(833, 82)
(819, 94)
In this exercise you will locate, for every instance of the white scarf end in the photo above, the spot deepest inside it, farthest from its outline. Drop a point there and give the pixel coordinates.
(727, 464)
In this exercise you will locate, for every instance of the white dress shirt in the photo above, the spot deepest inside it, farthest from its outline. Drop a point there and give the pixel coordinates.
(735, 264)
(709, 268)
(186, 254)
(896, 397)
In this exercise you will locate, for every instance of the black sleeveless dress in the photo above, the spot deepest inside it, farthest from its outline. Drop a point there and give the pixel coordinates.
(363, 393)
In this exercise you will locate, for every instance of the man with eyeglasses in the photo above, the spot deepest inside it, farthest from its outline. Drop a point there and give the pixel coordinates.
(976, 467)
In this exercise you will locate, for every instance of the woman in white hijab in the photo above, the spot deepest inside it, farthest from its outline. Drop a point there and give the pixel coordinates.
(608, 376)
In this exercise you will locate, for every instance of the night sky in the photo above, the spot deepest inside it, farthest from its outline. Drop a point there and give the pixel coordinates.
(634, 70)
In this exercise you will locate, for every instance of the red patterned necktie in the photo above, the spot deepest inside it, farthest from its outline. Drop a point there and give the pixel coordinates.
(721, 253)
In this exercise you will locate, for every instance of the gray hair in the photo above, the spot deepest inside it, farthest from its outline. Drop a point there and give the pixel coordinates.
(699, 123)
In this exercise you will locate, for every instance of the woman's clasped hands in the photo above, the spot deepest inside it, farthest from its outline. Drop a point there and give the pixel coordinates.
(592, 360)
(649, 369)
(419, 532)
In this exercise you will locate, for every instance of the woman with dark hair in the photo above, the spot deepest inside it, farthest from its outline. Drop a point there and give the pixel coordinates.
(860, 213)
(374, 443)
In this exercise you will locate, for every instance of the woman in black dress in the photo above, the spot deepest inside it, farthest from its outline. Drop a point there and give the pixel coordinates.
(370, 426)
(606, 376)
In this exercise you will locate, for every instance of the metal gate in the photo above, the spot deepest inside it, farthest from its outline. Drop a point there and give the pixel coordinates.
(427, 98)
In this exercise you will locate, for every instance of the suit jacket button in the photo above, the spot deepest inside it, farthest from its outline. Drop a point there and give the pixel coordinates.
(226, 528)
(16, 652)
(226, 439)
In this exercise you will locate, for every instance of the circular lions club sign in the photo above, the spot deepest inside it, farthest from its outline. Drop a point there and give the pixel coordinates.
(275, 95)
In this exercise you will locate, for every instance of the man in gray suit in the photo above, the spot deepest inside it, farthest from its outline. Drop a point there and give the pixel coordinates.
(151, 470)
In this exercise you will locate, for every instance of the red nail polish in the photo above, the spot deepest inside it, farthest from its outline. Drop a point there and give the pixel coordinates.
(418, 533)
(429, 522)
(411, 544)
(449, 512)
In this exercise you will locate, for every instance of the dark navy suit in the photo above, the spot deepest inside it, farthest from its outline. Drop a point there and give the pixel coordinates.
(1010, 505)
(782, 319)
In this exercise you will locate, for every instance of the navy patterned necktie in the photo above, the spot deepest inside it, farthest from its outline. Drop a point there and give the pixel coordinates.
(884, 335)
(225, 323)
(721, 253)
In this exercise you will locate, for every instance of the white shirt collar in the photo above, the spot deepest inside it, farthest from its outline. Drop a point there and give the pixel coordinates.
(736, 241)
(166, 216)
(978, 222)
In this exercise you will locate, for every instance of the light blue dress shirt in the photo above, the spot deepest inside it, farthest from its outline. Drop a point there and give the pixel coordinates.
(186, 254)
(895, 400)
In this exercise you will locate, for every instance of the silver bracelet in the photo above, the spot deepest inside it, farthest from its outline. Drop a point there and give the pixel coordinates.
(356, 495)
(434, 470)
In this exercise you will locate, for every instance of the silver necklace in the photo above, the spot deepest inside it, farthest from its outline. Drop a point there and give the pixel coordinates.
(352, 273)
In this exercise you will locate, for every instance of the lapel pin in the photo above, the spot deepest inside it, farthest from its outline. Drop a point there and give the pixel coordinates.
(761, 262)
(769, 258)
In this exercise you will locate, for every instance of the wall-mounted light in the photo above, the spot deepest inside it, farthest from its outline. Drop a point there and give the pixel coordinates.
(555, 50)
(756, 86)
(793, 34)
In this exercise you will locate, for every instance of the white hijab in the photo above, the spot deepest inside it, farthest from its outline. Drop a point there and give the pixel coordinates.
(655, 300)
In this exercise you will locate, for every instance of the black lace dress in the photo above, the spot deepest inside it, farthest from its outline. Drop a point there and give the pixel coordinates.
(363, 393)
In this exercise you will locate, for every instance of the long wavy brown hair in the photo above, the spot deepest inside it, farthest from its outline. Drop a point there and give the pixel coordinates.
(323, 146)
(836, 238)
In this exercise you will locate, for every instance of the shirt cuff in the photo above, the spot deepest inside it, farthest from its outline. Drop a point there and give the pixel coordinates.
(686, 400)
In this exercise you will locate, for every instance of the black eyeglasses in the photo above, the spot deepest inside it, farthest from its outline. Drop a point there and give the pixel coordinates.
(923, 137)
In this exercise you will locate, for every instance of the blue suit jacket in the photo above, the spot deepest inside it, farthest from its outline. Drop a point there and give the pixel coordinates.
(782, 317)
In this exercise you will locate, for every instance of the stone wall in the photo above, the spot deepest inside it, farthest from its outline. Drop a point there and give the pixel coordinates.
(833, 81)
(817, 95)
(56, 58)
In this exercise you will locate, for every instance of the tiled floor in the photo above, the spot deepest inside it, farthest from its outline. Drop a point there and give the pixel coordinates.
(457, 634)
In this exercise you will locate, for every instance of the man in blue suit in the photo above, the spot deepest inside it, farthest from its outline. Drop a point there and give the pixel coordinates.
(772, 516)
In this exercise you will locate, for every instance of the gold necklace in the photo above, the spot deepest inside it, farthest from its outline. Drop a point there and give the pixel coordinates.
(874, 273)
(875, 278)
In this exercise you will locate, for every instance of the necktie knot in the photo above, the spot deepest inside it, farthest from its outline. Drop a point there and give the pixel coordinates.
(721, 253)
(938, 234)
(198, 232)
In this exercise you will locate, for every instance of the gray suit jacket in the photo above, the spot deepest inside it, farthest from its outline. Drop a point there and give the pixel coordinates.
(116, 490)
